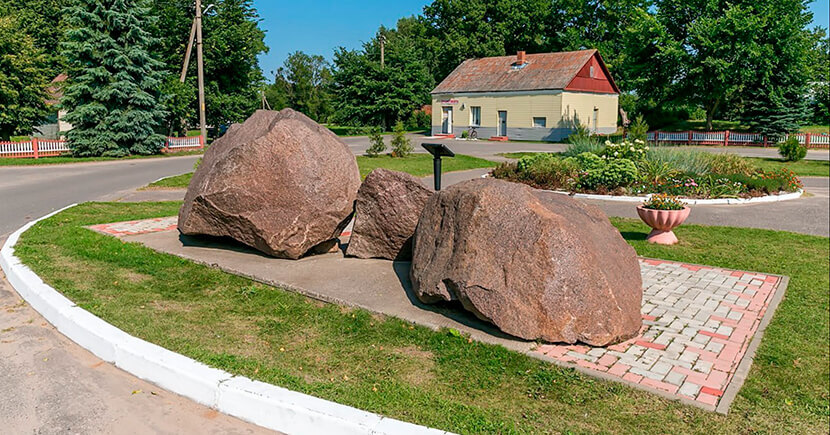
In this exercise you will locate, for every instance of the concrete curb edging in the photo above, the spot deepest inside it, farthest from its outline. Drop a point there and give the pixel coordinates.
(690, 201)
(263, 404)
(718, 201)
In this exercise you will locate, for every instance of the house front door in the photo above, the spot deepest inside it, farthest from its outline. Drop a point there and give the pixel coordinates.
(446, 120)
(502, 130)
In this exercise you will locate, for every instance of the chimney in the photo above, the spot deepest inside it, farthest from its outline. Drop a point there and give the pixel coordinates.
(520, 58)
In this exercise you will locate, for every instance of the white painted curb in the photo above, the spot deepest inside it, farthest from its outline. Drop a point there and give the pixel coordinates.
(263, 404)
(690, 201)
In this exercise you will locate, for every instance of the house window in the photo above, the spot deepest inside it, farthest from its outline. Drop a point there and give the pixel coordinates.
(475, 116)
(540, 122)
(591, 71)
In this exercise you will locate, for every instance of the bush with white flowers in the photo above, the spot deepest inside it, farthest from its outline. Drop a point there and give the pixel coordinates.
(631, 150)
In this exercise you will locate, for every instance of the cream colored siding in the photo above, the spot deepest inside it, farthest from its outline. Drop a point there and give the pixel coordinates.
(560, 110)
(520, 109)
(579, 106)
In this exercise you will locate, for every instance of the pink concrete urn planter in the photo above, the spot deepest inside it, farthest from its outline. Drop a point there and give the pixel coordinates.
(662, 223)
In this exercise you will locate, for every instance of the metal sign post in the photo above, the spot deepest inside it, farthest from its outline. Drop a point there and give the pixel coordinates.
(437, 150)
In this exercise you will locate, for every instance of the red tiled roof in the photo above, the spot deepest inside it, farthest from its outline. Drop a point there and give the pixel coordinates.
(55, 89)
(543, 71)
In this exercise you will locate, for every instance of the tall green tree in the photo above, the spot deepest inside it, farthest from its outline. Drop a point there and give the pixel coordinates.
(304, 81)
(750, 56)
(112, 98)
(819, 99)
(42, 20)
(23, 80)
(232, 43)
(368, 93)
(457, 30)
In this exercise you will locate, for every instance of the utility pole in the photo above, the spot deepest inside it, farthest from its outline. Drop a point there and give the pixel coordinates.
(189, 51)
(382, 40)
(200, 69)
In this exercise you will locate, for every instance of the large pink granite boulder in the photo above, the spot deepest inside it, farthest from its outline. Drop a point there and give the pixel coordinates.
(279, 182)
(539, 265)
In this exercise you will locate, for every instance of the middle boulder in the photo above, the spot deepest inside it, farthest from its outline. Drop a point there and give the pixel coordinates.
(386, 213)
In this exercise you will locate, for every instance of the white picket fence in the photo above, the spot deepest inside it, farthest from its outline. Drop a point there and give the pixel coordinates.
(33, 148)
(37, 148)
(728, 138)
(177, 143)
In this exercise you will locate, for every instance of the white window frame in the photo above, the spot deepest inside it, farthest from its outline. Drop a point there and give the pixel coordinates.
(544, 121)
(591, 71)
(473, 110)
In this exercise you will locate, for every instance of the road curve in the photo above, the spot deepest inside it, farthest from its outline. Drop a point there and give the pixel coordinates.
(28, 192)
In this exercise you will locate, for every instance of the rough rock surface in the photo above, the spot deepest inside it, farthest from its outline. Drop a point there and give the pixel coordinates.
(279, 182)
(539, 265)
(387, 209)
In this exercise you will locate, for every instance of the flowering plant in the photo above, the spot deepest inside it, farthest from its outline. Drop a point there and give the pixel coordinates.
(662, 201)
(631, 150)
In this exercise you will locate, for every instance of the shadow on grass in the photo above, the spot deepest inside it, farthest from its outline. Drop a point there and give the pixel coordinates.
(631, 235)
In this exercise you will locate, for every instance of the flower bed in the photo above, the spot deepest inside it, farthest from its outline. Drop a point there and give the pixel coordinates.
(632, 168)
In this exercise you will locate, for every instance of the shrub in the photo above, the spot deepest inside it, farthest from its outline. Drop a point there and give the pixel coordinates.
(638, 130)
(631, 150)
(580, 132)
(419, 120)
(610, 174)
(589, 161)
(465, 134)
(401, 145)
(661, 201)
(655, 171)
(506, 171)
(376, 144)
(791, 150)
(728, 164)
(553, 173)
(583, 144)
(525, 162)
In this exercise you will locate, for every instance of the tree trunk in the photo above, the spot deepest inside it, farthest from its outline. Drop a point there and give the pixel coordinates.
(710, 113)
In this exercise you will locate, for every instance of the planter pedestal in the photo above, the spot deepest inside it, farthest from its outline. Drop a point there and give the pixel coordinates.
(662, 223)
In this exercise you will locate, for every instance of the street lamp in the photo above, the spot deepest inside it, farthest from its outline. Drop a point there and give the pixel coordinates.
(437, 150)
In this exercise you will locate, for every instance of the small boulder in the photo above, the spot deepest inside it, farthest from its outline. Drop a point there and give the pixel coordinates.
(386, 213)
(279, 182)
(539, 265)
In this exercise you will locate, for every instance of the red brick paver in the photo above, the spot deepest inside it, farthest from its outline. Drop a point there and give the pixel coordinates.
(698, 322)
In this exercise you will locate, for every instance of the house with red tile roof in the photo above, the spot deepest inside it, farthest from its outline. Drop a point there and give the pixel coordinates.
(527, 97)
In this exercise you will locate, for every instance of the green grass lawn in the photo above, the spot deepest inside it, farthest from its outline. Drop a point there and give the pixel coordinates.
(437, 378)
(346, 131)
(70, 159)
(818, 129)
(419, 165)
(802, 168)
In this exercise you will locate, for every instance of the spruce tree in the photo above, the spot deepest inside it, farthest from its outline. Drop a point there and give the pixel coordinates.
(112, 97)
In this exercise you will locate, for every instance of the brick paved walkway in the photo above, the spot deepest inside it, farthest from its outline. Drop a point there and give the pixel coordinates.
(698, 325)
(130, 228)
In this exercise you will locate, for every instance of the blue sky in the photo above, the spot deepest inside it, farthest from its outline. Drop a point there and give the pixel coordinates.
(319, 26)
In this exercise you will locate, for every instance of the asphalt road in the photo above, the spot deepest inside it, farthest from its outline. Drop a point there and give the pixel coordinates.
(28, 192)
